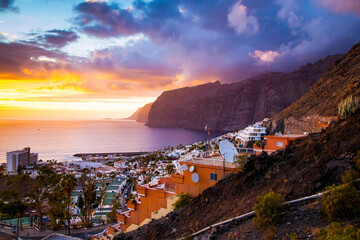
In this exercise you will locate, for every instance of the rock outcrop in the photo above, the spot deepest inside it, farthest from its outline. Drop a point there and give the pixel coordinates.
(318, 107)
(141, 115)
(228, 107)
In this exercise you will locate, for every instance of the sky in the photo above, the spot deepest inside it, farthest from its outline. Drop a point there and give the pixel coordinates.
(63, 59)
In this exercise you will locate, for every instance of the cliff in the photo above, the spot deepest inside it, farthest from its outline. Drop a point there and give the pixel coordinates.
(141, 115)
(228, 107)
(304, 168)
(318, 107)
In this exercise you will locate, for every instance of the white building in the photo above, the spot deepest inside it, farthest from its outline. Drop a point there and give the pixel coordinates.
(254, 132)
(20, 158)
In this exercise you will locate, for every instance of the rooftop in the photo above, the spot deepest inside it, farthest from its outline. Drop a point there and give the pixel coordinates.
(217, 161)
(287, 135)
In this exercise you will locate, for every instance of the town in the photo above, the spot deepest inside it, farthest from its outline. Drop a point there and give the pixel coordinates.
(116, 192)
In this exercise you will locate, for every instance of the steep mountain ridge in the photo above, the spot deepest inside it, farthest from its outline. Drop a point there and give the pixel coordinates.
(228, 107)
(318, 107)
(141, 115)
(302, 169)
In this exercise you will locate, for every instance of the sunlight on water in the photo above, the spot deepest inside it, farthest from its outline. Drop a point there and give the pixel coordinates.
(61, 139)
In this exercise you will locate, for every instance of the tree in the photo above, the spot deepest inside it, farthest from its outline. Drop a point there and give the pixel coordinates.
(170, 168)
(2, 170)
(68, 183)
(88, 202)
(45, 182)
(9, 194)
(115, 204)
(58, 205)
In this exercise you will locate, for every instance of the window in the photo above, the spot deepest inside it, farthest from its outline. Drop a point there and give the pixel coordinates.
(279, 144)
(213, 176)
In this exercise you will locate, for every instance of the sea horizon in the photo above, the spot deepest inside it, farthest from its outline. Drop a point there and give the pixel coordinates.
(61, 139)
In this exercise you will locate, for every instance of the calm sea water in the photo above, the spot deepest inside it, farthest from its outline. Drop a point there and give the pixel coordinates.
(61, 139)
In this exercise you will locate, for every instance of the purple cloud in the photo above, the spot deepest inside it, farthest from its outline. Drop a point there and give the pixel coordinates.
(8, 5)
(342, 6)
(54, 38)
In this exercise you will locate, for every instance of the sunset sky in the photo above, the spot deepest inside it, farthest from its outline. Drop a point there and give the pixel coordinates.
(63, 59)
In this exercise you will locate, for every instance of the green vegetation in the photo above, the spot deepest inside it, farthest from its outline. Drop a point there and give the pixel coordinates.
(340, 202)
(68, 184)
(347, 107)
(269, 233)
(88, 202)
(292, 236)
(260, 144)
(240, 161)
(338, 231)
(115, 204)
(350, 176)
(44, 184)
(267, 210)
(184, 199)
(356, 160)
(170, 168)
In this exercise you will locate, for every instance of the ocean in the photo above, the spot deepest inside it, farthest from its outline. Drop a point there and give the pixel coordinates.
(60, 140)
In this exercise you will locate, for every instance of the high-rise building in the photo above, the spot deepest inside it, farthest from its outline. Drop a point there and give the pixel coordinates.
(20, 158)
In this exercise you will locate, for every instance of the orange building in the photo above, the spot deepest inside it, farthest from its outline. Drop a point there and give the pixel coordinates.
(276, 142)
(152, 198)
(201, 173)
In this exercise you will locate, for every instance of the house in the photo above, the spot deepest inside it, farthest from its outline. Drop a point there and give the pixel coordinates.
(252, 133)
(276, 142)
(153, 201)
(200, 173)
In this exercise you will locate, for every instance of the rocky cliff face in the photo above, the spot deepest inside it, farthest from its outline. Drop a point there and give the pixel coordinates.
(228, 107)
(318, 107)
(141, 115)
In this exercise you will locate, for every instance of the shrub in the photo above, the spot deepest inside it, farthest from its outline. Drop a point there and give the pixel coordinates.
(184, 199)
(349, 176)
(267, 209)
(292, 236)
(340, 202)
(347, 107)
(240, 161)
(356, 160)
(270, 233)
(338, 231)
(260, 144)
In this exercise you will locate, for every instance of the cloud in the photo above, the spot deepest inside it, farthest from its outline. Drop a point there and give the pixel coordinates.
(54, 38)
(58, 38)
(342, 6)
(8, 5)
(288, 12)
(20, 61)
(101, 19)
(240, 21)
(160, 44)
(264, 57)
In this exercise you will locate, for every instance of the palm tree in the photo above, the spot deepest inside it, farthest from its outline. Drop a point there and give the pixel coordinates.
(68, 183)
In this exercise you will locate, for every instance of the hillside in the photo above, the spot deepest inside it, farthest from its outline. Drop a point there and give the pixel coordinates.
(227, 107)
(319, 105)
(302, 169)
(141, 115)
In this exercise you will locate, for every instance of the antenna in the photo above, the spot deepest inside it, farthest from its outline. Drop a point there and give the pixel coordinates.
(184, 167)
(227, 150)
(195, 177)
